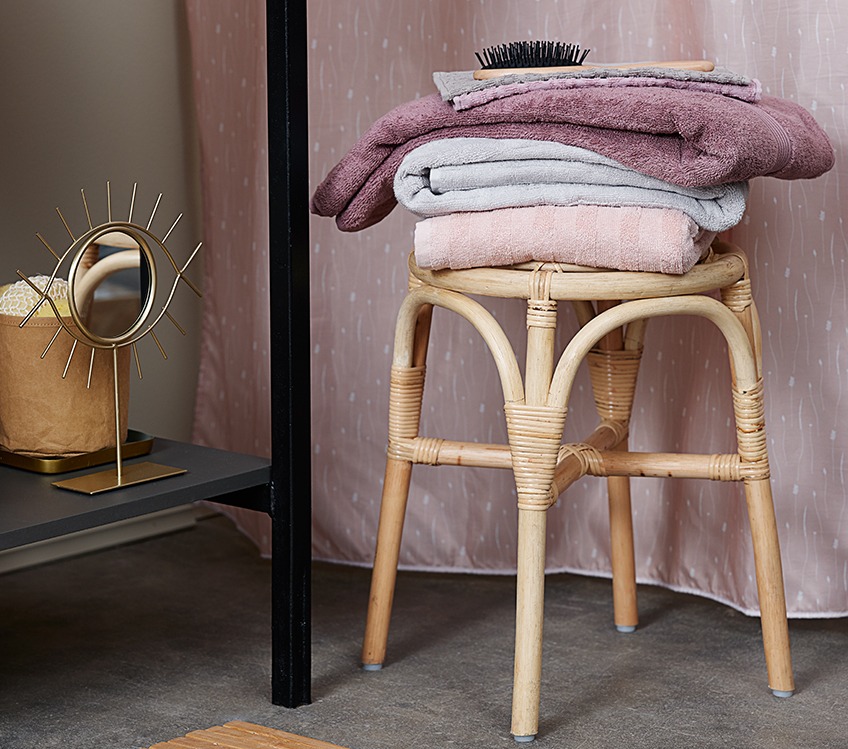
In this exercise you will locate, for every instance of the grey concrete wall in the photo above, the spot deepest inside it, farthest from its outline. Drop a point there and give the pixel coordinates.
(97, 90)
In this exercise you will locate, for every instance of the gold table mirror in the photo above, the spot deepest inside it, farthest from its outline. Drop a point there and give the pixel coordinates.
(114, 255)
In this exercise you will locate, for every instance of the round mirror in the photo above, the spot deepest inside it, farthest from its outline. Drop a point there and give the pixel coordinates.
(112, 282)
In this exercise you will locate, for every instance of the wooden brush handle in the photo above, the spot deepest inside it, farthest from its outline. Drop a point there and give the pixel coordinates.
(703, 65)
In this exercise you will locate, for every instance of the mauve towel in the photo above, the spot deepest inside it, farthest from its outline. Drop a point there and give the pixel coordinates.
(482, 174)
(637, 239)
(687, 138)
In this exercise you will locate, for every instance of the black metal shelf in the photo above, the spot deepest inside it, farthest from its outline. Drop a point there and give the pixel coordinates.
(31, 509)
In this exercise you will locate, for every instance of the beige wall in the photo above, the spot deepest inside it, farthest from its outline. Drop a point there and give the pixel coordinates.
(95, 91)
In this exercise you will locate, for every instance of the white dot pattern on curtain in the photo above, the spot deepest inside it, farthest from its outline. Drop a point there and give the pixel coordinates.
(366, 57)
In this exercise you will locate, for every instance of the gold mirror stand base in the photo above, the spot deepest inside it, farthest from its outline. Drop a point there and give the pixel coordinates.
(104, 481)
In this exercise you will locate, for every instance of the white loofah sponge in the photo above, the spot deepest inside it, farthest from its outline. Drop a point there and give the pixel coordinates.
(18, 299)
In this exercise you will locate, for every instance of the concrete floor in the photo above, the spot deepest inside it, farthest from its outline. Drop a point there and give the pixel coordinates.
(130, 646)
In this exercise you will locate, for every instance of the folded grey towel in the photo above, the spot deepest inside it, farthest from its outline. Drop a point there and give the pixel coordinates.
(453, 83)
(751, 93)
(482, 174)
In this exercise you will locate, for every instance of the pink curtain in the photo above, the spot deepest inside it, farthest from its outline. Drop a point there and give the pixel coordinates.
(233, 395)
(366, 57)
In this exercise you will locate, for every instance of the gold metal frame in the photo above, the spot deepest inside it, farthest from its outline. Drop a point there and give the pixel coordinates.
(142, 235)
(77, 251)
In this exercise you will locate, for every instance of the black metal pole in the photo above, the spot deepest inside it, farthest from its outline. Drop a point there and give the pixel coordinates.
(291, 502)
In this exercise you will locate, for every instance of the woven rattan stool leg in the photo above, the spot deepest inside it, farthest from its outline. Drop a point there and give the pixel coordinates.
(751, 433)
(614, 371)
(389, 533)
(622, 555)
(535, 435)
(770, 587)
(529, 609)
(406, 391)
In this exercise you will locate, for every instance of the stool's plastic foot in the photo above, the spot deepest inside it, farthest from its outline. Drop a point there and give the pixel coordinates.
(372, 666)
(626, 628)
(525, 739)
(783, 694)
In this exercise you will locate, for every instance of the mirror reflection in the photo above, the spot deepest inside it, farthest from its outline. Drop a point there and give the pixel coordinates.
(111, 285)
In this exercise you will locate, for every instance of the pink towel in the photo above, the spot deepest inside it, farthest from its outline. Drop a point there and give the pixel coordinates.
(688, 138)
(642, 239)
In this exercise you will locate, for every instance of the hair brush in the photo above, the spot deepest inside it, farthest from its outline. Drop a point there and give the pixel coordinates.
(546, 57)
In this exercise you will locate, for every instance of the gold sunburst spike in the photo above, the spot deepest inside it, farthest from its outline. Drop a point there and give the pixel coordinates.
(179, 274)
(158, 345)
(181, 271)
(137, 360)
(188, 282)
(85, 205)
(153, 212)
(70, 356)
(132, 202)
(55, 336)
(67, 228)
(173, 226)
(191, 257)
(35, 308)
(109, 200)
(176, 324)
(90, 369)
(44, 242)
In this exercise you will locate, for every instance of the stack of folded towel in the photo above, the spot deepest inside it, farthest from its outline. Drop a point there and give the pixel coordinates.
(633, 169)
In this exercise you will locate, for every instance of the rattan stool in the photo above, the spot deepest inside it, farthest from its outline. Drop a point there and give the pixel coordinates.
(613, 308)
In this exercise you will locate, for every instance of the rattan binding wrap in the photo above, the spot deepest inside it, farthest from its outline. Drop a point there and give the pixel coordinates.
(406, 391)
(749, 408)
(613, 377)
(535, 435)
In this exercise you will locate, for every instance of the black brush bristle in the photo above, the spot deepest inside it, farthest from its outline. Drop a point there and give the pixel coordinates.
(536, 54)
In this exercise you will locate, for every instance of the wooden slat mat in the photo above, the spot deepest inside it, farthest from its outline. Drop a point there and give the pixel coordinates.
(240, 735)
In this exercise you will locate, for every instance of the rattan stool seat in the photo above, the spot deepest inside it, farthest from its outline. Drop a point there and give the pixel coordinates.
(613, 308)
